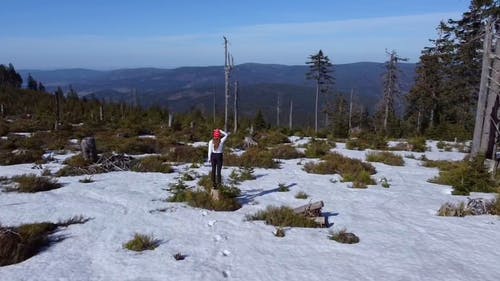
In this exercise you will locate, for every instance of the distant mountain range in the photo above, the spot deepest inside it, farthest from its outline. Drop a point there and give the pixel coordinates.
(186, 88)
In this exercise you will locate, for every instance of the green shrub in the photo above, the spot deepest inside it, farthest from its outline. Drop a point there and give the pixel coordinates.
(496, 206)
(285, 151)
(280, 232)
(453, 210)
(441, 145)
(142, 242)
(367, 140)
(345, 237)
(410, 156)
(301, 195)
(31, 183)
(77, 161)
(243, 174)
(20, 156)
(188, 176)
(252, 157)
(318, 148)
(179, 257)
(283, 188)
(350, 169)
(467, 176)
(205, 181)
(272, 138)
(417, 144)
(4, 128)
(86, 180)
(282, 216)
(385, 183)
(22, 242)
(186, 154)
(442, 165)
(152, 164)
(385, 157)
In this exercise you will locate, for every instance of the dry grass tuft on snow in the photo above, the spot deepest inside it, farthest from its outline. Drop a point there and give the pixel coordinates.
(417, 144)
(252, 157)
(365, 141)
(202, 198)
(142, 242)
(285, 151)
(385, 157)
(22, 242)
(301, 195)
(282, 216)
(155, 164)
(350, 169)
(31, 183)
(342, 236)
(318, 148)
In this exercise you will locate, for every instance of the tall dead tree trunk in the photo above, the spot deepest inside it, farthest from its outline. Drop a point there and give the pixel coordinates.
(316, 108)
(290, 115)
(101, 113)
(487, 65)
(350, 111)
(278, 111)
(235, 106)
(2, 110)
(58, 110)
(213, 106)
(170, 119)
(228, 65)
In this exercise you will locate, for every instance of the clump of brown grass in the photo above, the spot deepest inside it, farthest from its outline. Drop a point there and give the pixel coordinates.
(142, 242)
(152, 164)
(342, 236)
(30, 183)
(283, 216)
(385, 157)
(350, 169)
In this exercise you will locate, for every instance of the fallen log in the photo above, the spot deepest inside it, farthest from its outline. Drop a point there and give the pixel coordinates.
(311, 209)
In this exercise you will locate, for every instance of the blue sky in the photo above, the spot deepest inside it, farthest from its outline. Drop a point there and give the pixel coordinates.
(108, 34)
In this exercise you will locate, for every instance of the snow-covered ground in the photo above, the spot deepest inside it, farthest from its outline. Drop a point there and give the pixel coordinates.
(401, 238)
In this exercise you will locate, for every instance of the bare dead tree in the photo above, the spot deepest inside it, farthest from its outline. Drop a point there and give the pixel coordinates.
(170, 119)
(391, 86)
(235, 106)
(278, 111)
(213, 105)
(290, 114)
(350, 110)
(228, 66)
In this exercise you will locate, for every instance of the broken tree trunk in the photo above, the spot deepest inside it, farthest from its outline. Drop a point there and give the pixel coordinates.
(249, 141)
(313, 211)
(89, 150)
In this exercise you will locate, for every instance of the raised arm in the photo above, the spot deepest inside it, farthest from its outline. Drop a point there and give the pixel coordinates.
(223, 139)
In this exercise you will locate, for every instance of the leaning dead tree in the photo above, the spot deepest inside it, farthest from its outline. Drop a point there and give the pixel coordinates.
(487, 125)
(228, 67)
(391, 86)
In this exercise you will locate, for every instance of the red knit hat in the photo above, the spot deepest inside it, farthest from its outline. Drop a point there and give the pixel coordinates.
(217, 134)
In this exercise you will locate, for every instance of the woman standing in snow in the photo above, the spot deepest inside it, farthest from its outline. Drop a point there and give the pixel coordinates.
(215, 150)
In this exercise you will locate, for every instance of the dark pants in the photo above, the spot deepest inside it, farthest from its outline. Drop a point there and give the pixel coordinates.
(216, 160)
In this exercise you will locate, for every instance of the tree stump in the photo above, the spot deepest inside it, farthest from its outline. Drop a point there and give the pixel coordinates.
(249, 141)
(89, 150)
